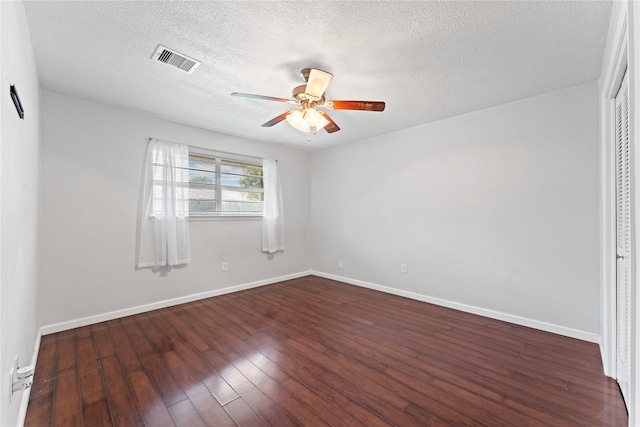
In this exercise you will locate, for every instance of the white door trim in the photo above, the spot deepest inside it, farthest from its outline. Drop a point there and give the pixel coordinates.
(634, 130)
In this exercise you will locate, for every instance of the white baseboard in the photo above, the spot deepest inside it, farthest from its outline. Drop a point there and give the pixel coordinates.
(518, 320)
(22, 412)
(89, 320)
(604, 357)
(523, 321)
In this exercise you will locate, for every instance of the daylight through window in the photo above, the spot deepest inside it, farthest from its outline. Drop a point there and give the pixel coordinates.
(224, 186)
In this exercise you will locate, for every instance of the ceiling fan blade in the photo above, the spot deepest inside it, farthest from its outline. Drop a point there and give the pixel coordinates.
(276, 120)
(355, 105)
(267, 98)
(318, 82)
(332, 126)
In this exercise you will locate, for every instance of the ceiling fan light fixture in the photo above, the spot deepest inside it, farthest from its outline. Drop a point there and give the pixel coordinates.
(306, 120)
(312, 117)
(296, 119)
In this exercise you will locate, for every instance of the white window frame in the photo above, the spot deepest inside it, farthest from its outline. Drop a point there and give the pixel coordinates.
(219, 157)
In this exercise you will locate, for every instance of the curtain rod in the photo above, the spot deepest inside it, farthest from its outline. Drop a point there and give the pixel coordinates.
(208, 149)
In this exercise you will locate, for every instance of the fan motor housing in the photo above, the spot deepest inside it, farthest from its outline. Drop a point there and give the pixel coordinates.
(301, 96)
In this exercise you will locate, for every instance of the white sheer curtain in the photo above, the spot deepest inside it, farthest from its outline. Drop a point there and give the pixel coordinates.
(272, 213)
(164, 212)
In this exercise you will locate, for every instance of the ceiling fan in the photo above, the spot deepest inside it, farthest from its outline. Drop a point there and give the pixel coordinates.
(310, 96)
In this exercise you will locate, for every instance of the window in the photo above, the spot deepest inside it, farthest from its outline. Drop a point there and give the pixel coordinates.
(224, 185)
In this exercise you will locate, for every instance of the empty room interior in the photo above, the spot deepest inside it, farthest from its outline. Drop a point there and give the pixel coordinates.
(319, 213)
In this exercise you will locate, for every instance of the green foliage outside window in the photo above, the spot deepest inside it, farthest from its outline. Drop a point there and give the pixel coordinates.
(252, 179)
(201, 180)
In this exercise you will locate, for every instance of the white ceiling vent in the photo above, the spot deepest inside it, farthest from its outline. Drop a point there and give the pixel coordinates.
(175, 59)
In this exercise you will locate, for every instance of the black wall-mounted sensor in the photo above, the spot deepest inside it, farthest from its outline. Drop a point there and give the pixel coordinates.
(16, 101)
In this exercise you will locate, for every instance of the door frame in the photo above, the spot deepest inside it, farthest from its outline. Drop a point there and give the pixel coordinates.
(622, 52)
(634, 130)
(610, 83)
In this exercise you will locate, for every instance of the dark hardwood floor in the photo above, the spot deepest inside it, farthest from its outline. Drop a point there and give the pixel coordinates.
(316, 352)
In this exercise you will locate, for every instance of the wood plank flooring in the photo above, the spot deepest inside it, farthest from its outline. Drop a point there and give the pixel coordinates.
(316, 352)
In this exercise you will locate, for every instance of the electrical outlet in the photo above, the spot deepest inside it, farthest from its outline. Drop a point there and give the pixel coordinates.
(225, 266)
(404, 268)
(339, 264)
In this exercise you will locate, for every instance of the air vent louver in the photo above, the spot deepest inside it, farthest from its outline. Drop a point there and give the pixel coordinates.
(175, 59)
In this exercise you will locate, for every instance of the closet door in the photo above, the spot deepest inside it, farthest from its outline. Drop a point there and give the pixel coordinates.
(623, 238)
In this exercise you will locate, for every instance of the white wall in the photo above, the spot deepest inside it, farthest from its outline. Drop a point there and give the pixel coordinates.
(19, 153)
(495, 211)
(92, 158)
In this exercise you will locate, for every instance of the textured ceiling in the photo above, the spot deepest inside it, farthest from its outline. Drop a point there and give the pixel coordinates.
(426, 60)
